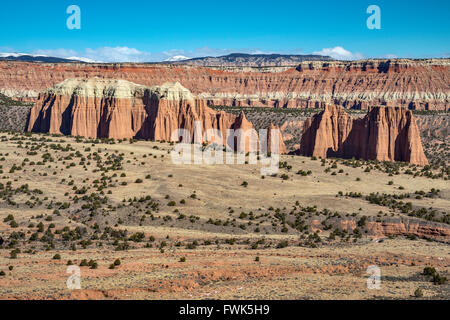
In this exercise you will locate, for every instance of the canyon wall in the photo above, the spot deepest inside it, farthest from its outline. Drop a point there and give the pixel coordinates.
(436, 126)
(413, 84)
(403, 226)
(109, 108)
(385, 134)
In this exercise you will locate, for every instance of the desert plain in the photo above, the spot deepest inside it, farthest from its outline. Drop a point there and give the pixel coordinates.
(139, 226)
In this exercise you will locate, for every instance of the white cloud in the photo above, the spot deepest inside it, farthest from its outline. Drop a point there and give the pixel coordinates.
(198, 52)
(390, 56)
(214, 52)
(118, 54)
(60, 53)
(84, 59)
(176, 58)
(104, 54)
(126, 54)
(339, 53)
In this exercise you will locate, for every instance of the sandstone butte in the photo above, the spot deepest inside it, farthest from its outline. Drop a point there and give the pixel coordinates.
(385, 134)
(106, 108)
(412, 84)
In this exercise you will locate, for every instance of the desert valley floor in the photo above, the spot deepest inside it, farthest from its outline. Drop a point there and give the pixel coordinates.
(144, 228)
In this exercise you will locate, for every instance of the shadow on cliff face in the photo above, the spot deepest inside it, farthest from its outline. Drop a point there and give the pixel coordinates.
(152, 108)
(401, 151)
(42, 122)
(145, 132)
(308, 138)
(66, 122)
(27, 121)
(383, 67)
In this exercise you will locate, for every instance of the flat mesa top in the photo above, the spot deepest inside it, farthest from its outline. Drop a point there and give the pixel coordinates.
(119, 89)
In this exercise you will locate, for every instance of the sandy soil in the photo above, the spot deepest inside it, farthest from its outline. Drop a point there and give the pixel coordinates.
(219, 270)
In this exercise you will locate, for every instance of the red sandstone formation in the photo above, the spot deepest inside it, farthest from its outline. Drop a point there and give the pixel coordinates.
(439, 232)
(414, 84)
(385, 134)
(272, 133)
(99, 108)
(400, 227)
(246, 137)
(251, 141)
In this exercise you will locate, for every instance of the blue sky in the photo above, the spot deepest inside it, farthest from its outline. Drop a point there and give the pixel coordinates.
(149, 30)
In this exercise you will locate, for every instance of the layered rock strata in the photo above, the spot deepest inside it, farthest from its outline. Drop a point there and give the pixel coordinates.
(400, 227)
(385, 134)
(100, 108)
(413, 84)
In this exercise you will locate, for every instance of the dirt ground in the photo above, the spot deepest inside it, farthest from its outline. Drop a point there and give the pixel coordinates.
(194, 213)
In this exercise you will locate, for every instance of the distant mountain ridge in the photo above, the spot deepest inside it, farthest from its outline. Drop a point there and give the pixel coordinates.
(39, 58)
(252, 60)
(231, 60)
(176, 58)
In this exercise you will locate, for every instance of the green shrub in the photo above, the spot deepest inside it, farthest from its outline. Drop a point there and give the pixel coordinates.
(429, 271)
(418, 293)
(83, 263)
(438, 279)
(282, 244)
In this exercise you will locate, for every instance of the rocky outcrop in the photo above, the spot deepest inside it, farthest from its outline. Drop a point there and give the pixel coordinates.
(385, 134)
(275, 132)
(397, 227)
(13, 114)
(413, 84)
(246, 137)
(425, 230)
(14, 118)
(437, 126)
(100, 108)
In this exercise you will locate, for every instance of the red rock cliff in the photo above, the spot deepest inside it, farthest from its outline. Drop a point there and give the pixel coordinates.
(414, 84)
(385, 134)
(100, 108)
